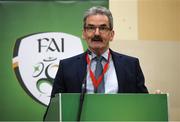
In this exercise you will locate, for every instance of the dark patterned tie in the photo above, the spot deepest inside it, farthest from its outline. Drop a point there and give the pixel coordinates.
(98, 72)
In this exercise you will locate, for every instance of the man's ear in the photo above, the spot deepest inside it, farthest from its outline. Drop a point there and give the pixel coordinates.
(83, 37)
(112, 35)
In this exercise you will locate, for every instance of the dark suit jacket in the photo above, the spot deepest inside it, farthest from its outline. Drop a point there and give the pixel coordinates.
(72, 71)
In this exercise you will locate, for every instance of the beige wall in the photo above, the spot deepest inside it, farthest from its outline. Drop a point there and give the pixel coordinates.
(159, 19)
(149, 30)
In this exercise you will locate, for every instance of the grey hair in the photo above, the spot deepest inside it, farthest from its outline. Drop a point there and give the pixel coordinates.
(99, 10)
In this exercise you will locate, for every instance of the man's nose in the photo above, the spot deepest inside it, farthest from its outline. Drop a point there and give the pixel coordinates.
(97, 31)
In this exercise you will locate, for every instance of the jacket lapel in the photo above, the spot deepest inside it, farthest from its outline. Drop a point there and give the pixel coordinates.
(81, 67)
(119, 68)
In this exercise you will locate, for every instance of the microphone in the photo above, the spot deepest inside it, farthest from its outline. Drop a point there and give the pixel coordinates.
(81, 100)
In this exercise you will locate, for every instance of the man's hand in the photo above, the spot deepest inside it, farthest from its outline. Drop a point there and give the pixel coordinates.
(158, 92)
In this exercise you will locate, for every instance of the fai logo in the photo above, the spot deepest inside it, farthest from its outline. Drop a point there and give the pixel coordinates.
(36, 58)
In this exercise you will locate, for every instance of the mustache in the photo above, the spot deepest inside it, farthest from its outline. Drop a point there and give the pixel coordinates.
(97, 38)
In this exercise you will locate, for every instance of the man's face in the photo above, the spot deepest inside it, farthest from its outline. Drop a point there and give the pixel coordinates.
(97, 32)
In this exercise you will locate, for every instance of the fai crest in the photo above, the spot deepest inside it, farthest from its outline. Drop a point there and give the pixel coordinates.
(36, 58)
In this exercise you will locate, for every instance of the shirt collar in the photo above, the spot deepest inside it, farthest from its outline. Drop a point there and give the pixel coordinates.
(93, 55)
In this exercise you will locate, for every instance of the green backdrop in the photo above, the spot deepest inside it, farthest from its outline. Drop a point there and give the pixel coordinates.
(20, 18)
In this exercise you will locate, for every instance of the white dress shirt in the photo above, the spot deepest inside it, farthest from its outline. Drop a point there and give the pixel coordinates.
(110, 78)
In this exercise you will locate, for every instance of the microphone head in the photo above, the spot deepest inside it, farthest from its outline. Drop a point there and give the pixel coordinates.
(89, 52)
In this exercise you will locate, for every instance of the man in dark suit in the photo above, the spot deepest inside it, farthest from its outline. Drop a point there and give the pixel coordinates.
(119, 73)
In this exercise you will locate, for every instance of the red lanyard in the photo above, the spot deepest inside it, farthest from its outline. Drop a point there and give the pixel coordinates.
(95, 81)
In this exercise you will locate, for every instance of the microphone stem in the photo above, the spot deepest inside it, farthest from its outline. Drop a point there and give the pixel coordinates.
(81, 101)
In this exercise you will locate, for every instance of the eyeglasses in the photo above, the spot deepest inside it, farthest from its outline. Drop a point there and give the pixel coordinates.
(92, 29)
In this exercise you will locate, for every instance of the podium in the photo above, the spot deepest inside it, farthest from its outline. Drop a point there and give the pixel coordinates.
(109, 107)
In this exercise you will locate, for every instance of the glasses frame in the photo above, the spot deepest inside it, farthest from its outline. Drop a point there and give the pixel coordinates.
(102, 29)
